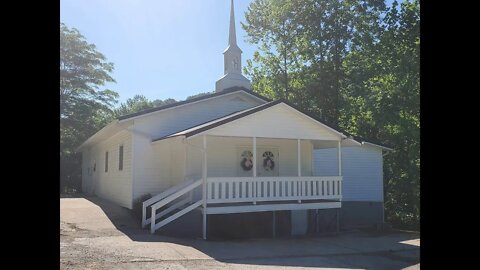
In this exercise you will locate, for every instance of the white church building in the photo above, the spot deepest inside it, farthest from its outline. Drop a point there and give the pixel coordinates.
(234, 152)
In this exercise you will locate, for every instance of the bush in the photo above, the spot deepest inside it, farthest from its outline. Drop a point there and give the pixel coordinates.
(138, 204)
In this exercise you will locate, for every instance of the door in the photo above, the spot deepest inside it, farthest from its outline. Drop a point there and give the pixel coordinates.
(267, 162)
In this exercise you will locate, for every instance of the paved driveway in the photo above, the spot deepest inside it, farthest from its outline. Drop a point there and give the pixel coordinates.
(96, 234)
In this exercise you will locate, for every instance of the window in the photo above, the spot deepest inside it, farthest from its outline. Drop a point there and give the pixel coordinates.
(106, 161)
(120, 158)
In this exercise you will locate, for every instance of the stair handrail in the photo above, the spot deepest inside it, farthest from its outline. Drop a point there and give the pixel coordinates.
(169, 199)
(177, 194)
(160, 197)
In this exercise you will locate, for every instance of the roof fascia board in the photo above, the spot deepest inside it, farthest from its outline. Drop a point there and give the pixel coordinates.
(377, 145)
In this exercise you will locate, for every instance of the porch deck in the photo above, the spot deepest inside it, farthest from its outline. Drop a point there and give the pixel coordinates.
(228, 195)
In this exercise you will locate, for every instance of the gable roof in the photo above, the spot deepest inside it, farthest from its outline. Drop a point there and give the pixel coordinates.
(219, 121)
(112, 127)
(119, 123)
(235, 116)
(176, 104)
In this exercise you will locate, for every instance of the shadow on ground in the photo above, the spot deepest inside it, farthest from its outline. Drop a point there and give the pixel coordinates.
(365, 250)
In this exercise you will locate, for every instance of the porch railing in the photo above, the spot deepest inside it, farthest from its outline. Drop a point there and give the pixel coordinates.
(261, 189)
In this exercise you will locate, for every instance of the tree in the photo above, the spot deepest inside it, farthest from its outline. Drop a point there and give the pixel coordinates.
(139, 103)
(133, 105)
(84, 108)
(302, 45)
(270, 24)
(159, 102)
(354, 64)
(201, 94)
(382, 102)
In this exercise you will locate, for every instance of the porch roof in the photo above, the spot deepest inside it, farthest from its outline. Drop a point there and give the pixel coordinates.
(309, 124)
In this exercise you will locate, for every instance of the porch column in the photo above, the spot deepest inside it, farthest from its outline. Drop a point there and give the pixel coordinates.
(298, 158)
(340, 158)
(185, 169)
(339, 174)
(254, 156)
(299, 166)
(204, 191)
(254, 168)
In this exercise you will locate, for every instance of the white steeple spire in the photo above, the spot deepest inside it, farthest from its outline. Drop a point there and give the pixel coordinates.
(232, 60)
(232, 35)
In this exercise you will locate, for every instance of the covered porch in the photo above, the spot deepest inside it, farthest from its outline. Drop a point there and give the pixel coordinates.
(227, 170)
(265, 174)
(281, 176)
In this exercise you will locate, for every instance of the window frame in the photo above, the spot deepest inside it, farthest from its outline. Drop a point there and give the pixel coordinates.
(120, 157)
(106, 161)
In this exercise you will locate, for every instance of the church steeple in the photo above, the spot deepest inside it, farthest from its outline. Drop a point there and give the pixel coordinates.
(232, 35)
(232, 60)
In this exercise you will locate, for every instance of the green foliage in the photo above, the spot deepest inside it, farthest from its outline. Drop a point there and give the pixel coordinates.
(302, 45)
(159, 102)
(139, 103)
(199, 95)
(382, 92)
(133, 105)
(354, 64)
(84, 108)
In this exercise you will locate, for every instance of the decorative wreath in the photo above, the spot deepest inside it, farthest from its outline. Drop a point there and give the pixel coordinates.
(268, 163)
(246, 162)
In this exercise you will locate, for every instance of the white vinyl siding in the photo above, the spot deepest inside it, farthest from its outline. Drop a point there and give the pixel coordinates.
(87, 171)
(114, 185)
(223, 160)
(278, 121)
(157, 166)
(161, 165)
(362, 169)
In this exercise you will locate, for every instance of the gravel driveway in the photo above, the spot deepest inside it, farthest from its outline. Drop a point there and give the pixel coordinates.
(95, 234)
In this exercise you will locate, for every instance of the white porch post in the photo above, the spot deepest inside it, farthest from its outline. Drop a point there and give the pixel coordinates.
(340, 158)
(340, 183)
(185, 168)
(299, 165)
(254, 168)
(204, 194)
(254, 156)
(298, 158)
(185, 160)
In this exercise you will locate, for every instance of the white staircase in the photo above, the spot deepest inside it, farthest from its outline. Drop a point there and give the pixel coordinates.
(171, 195)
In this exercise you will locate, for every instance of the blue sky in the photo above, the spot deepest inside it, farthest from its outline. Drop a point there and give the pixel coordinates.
(161, 48)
